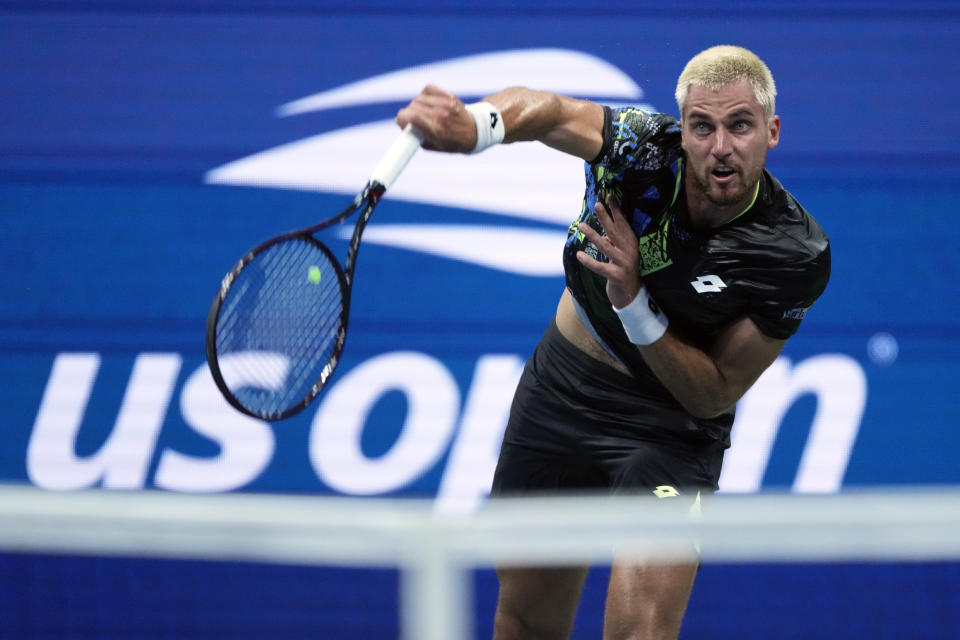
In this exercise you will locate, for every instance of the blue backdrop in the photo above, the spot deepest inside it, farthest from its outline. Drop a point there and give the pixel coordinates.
(144, 146)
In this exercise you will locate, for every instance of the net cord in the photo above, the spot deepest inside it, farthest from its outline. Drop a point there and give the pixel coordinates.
(435, 550)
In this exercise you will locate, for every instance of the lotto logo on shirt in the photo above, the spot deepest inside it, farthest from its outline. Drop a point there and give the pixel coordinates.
(708, 284)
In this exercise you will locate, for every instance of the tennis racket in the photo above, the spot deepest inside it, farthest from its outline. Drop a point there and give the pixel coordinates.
(278, 324)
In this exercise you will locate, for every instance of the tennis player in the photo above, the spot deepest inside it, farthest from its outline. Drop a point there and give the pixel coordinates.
(687, 270)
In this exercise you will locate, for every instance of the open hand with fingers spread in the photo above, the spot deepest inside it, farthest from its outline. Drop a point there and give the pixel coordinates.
(619, 244)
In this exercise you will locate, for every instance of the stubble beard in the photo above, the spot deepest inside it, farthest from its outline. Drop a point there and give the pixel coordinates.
(730, 196)
(717, 196)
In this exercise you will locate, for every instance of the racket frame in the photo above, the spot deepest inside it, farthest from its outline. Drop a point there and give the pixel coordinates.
(366, 200)
(382, 176)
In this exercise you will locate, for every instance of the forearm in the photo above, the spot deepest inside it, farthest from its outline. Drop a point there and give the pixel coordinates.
(445, 124)
(569, 125)
(691, 375)
(707, 382)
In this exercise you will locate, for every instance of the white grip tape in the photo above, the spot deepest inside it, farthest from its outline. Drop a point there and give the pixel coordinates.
(396, 158)
(490, 129)
(642, 319)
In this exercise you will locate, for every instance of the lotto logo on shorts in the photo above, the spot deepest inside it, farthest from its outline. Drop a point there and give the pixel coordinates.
(665, 491)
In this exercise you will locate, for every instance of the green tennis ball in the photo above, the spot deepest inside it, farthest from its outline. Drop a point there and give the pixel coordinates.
(313, 274)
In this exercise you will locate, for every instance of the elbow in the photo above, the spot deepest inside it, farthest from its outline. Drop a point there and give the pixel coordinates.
(705, 406)
(704, 412)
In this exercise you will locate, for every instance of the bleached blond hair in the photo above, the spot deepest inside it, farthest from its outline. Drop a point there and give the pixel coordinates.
(719, 66)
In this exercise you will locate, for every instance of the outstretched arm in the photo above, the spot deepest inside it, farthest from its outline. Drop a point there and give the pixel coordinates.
(569, 125)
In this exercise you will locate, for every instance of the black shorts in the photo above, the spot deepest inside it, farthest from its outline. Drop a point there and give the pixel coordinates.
(579, 425)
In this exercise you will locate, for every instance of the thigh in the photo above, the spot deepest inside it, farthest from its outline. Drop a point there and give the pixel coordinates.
(537, 603)
(647, 600)
(683, 471)
(647, 597)
(524, 471)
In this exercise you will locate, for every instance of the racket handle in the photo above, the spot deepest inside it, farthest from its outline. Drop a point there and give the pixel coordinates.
(396, 157)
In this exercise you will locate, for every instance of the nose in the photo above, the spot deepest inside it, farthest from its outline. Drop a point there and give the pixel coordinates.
(721, 143)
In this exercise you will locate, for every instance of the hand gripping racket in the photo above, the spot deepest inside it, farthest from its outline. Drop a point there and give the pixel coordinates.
(278, 324)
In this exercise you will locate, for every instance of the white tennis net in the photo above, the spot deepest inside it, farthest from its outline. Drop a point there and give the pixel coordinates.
(435, 551)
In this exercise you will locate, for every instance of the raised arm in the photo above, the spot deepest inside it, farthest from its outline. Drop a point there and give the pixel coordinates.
(569, 125)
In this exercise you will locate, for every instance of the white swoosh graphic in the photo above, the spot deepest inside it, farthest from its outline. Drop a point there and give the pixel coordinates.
(558, 70)
(524, 180)
(528, 252)
(527, 180)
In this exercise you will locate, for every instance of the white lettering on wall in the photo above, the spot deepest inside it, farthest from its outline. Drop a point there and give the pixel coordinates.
(840, 387)
(466, 480)
(123, 459)
(246, 444)
(433, 401)
(433, 424)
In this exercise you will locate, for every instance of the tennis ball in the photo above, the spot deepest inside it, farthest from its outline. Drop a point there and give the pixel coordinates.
(313, 274)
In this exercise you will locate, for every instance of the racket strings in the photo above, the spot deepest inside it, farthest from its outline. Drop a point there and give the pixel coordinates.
(279, 326)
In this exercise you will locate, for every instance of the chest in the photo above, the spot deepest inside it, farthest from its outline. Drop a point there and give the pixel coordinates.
(698, 282)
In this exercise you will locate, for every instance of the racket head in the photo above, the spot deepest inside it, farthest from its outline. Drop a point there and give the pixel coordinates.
(277, 326)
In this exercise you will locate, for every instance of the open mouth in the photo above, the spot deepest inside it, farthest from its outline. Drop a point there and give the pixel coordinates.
(723, 173)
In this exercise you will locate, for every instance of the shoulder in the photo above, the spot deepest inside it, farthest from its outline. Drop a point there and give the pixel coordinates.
(789, 260)
(629, 130)
(639, 122)
(793, 222)
(781, 230)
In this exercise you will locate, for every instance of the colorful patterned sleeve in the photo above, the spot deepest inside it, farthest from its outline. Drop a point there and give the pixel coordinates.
(638, 166)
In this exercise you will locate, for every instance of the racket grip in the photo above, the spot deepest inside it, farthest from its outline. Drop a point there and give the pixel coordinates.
(396, 158)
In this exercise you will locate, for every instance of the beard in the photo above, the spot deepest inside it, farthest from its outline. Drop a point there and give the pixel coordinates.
(724, 195)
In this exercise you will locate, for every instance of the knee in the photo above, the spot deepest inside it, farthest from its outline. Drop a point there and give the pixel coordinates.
(647, 602)
(514, 625)
(648, 626)
(537, 603)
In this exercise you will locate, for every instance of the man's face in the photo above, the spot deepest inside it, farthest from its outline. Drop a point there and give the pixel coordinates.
(725, 137)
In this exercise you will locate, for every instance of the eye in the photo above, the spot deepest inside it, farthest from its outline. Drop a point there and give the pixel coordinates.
(701, 128)
(741, 125)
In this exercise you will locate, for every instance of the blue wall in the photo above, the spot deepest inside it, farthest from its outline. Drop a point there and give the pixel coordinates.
(130, 182)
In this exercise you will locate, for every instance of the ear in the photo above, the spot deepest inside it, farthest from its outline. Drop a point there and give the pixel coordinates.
(773, 128)
(683, 138)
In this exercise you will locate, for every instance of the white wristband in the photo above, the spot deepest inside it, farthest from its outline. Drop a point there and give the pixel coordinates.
(642, 319)
(490, 130)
